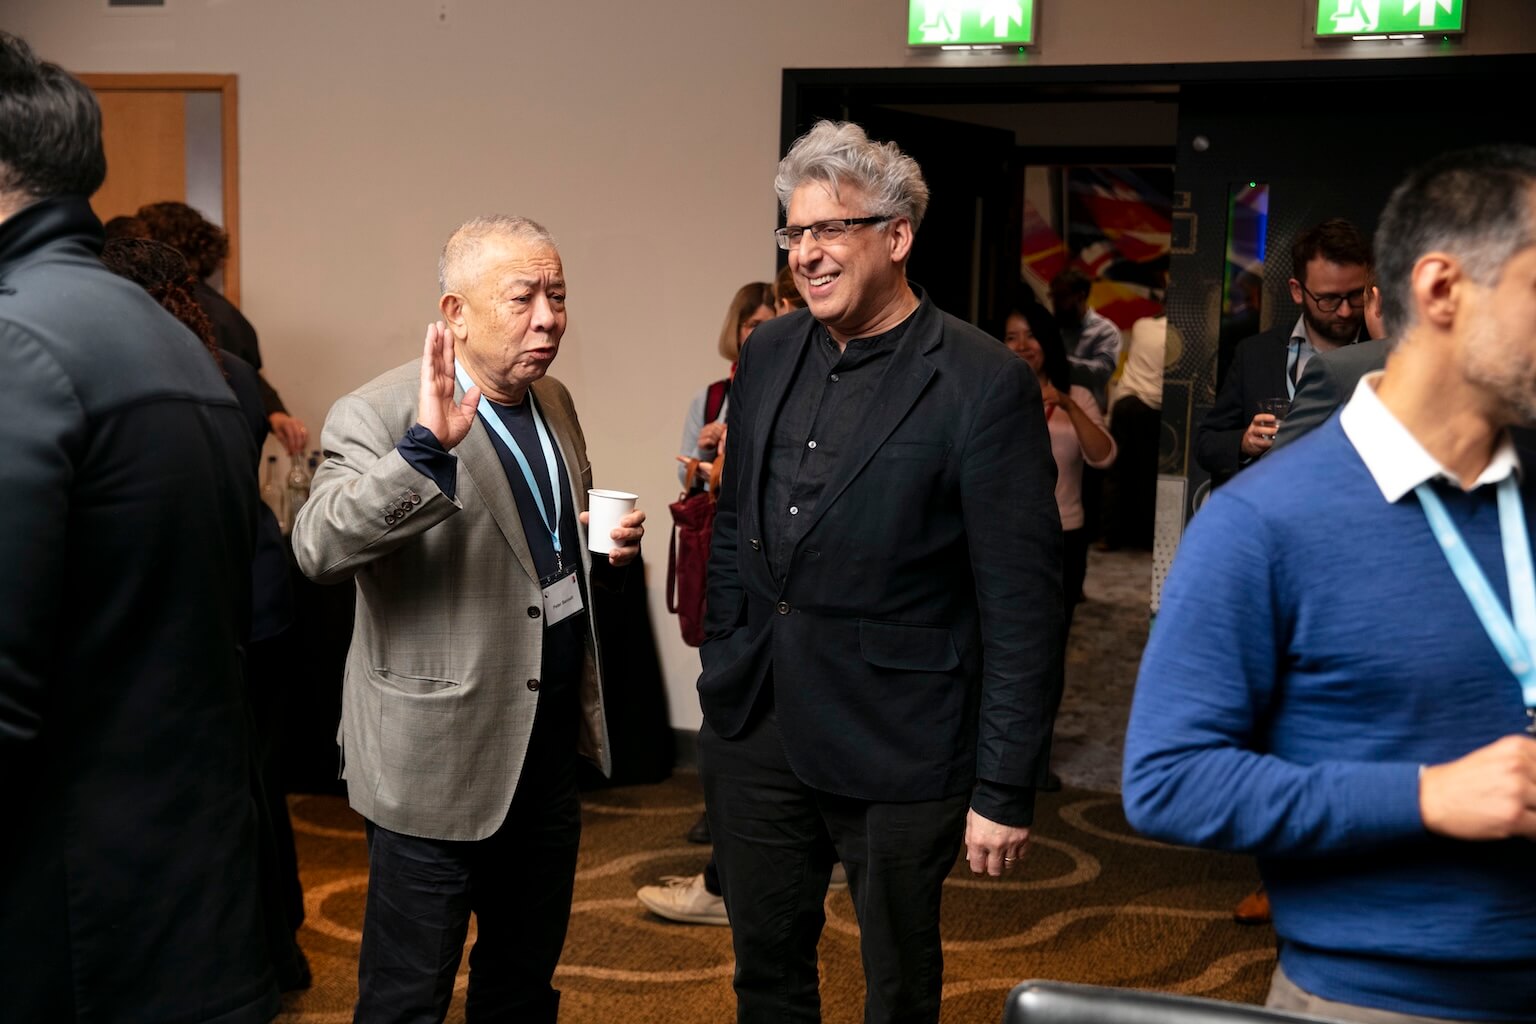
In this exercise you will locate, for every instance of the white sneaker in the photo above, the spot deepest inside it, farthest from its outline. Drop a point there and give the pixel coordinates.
(839, 880)
(684, 899)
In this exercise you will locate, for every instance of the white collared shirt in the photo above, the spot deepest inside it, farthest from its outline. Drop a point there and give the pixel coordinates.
(1395, 458)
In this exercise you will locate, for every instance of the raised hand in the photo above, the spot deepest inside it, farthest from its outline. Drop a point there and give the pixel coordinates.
(435, 407)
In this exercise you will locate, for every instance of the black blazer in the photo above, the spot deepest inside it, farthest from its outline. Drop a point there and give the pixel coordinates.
(915, 643)
(1257, 372)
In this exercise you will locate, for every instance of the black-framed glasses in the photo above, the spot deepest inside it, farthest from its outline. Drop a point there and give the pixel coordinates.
(823, 231)
(1329, 303)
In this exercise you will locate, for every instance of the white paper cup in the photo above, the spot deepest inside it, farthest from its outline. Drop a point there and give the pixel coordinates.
(605, 509)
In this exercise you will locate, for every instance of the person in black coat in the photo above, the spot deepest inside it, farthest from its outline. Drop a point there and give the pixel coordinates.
(883, 628)
(128, 875)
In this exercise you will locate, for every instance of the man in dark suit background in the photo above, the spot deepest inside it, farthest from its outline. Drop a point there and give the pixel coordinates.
(128, 871)
(883, 639)
(1331, 270)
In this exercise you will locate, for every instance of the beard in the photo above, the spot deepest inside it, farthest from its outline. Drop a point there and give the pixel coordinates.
(1505, 371)
(1340, 332)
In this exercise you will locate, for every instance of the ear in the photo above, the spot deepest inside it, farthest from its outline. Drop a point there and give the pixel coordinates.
(452, 306)
(1297, 296)
(900, 236)
(1435, 283)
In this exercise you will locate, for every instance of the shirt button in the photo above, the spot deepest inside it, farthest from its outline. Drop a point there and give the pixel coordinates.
(794, 510)
(533, 611)
(810, 444)
(533, 684)
(782, 607)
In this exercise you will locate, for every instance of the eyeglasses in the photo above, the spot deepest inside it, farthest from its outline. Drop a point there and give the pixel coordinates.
(823, 231)
(1329, 303)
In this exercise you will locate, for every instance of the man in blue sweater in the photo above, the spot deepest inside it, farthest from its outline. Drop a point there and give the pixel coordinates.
(1341, 710)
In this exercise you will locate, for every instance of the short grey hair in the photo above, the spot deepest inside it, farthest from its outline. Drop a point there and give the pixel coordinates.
(464, 244)
(836, 153)
(1474, 204)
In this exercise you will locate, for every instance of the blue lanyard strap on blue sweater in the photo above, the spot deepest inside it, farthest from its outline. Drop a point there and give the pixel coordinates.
(1514, 640)
(494, 422)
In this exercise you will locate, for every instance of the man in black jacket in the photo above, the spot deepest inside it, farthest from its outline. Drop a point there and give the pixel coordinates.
(1330, 273)
(128, 872)
(883, 635)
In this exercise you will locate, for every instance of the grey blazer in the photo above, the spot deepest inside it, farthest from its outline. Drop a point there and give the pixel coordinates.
(1327, 383)
(441, 679)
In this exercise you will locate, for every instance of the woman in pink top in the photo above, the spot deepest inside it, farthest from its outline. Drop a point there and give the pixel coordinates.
(1078, 434)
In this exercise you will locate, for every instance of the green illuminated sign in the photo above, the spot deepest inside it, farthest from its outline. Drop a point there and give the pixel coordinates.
(971, 22)
(1390, 17)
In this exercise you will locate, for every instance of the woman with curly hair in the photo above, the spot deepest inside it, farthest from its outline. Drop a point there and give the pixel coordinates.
(206, 247)
(164, 274)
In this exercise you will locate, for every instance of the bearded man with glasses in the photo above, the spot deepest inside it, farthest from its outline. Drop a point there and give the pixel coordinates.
(1331, 267)
(882, 654)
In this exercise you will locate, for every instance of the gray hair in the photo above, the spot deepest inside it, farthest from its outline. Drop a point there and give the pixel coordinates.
(837, 153)
(1474, 204)
(464, 244)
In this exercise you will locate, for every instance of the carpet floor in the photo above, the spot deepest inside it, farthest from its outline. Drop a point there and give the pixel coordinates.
(1095, 902)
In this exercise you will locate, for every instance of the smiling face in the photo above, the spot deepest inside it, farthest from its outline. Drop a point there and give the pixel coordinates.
(1021, 342)
(856, 286)
(508, 320)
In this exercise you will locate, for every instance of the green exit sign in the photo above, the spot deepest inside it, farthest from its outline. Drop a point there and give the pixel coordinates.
(971, 22)
(1390, 17)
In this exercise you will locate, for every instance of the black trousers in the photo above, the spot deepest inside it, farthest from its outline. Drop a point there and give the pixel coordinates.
(1136, 430)
(776, 840)
(517, 882)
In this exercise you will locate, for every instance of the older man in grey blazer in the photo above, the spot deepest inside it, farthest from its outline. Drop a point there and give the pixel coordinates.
(451, 494)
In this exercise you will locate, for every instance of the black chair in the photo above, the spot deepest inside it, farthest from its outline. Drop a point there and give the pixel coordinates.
(1057, 1002)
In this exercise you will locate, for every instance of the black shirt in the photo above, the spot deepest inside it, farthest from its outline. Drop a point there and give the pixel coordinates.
(830, 396)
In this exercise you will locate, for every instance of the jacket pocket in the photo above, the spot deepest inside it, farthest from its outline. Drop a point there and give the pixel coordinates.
(416, 684)
(901, 645)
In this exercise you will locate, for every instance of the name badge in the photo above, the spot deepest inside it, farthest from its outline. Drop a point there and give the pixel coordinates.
(562, 599)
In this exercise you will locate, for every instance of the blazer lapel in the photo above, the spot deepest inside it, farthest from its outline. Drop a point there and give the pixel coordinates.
(478, 457)
(775, 386)
(904, 380)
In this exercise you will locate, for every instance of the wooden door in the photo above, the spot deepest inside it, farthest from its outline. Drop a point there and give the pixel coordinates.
(172, 137)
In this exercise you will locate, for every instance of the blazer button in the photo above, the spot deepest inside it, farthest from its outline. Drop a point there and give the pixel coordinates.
(757, 545)
(533, 611)
(533, 684)
(782, 607)
(389, 520)
(415, 498)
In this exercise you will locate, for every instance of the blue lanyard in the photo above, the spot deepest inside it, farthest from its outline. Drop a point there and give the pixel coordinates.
(494, 422)
(1516, 639)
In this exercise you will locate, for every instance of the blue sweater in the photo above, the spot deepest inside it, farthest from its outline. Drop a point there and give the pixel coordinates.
(1312, 650)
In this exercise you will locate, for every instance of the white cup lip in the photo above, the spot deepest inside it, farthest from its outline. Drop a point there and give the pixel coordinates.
(618, 495)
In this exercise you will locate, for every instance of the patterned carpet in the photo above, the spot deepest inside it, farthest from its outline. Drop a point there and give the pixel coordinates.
(1095, 904)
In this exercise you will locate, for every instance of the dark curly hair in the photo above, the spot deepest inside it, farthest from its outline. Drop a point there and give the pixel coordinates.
(164, 273)
(178, 225)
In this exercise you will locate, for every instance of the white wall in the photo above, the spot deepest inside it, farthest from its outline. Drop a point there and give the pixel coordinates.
(643, 134)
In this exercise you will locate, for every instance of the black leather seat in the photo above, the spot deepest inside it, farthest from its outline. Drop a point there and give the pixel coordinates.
(1057, 1002)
